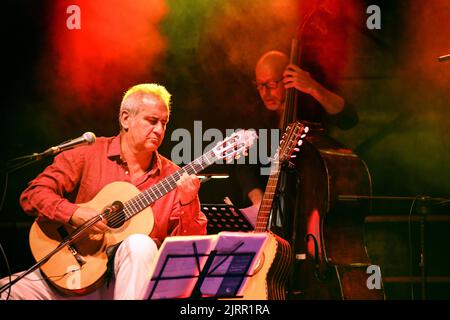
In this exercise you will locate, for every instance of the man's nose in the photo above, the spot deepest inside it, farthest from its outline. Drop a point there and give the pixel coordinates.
(159, 128)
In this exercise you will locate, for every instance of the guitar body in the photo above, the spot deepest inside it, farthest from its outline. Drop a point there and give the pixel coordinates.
(269, 278)
(45, 236)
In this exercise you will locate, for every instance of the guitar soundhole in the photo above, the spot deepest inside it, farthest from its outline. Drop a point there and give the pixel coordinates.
(116, 219)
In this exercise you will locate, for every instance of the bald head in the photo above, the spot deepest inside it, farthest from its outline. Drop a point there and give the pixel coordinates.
(269, 75)
(273, 63)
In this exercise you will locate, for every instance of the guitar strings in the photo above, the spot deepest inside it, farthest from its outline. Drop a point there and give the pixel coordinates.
(293, 135)
(140, 202)
(135, 203)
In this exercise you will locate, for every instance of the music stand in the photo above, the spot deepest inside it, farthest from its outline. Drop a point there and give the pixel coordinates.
(202, 273)
(224, 217)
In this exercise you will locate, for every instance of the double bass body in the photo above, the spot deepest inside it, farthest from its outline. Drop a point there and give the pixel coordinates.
(327, 235)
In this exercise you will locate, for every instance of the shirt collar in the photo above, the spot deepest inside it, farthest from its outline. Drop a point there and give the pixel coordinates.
(114, 153)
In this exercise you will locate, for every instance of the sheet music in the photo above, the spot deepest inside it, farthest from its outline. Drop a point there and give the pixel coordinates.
(179, 266)
(177, 258)
(246, 249)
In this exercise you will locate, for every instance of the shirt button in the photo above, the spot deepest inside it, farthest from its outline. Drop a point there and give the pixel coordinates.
(126, 172)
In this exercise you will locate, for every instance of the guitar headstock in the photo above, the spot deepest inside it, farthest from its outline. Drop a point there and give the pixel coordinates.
(291, 140)
(235, 145)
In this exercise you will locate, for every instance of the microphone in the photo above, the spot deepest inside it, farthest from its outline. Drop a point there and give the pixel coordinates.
(86, 138)
(444, 58)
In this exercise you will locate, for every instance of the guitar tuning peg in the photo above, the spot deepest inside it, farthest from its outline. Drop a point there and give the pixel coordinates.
(296, 149)
(300, 142)
(303, 136)
(294, 156)
(306, 130)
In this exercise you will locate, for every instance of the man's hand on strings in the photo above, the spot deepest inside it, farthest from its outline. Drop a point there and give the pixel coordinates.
(294, 77)
(83, 214)
(188, 186)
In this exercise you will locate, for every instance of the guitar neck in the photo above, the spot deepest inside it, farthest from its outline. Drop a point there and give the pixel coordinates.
(267, 202)
(147, 197)
(289, 141)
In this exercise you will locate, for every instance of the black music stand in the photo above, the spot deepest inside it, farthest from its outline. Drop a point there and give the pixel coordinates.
(233, 277)
(224, 217)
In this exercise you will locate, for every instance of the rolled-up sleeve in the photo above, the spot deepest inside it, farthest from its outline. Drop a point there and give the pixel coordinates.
(187, 220)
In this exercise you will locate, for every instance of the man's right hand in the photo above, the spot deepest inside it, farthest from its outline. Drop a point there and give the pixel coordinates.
(83, 214)
(256, 196)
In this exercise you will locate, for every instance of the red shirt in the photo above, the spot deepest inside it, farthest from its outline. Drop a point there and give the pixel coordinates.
(77, 175)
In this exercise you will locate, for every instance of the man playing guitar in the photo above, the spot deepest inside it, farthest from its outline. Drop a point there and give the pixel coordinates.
(77, 175)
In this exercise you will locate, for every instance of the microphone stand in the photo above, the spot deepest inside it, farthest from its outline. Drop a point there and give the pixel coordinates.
(65, 242)
(87, 137)
(25, 161)
(429, 200)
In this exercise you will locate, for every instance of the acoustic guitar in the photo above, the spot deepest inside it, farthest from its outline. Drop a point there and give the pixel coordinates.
(270, 275)
(80, 266)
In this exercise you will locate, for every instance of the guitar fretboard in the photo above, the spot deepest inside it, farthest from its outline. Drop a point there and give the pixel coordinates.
(290, 139)
(267, 202)
(147, 197)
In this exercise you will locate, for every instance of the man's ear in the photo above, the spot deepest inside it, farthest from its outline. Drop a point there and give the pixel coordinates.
(125, 119)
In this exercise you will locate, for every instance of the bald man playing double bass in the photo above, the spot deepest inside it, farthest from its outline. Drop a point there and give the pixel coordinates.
(318, 104)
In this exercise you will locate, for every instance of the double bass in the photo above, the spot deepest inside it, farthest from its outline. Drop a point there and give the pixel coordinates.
(326, 235)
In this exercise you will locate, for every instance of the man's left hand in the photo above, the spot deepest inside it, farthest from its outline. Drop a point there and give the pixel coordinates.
(294, 77)
(188, 186)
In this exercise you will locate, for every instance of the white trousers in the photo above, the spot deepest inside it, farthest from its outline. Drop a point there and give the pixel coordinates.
(131, 280)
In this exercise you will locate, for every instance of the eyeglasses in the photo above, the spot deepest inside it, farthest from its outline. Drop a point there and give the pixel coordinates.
(269, 84)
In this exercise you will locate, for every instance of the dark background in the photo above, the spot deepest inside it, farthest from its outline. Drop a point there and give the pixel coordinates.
(206, 61)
